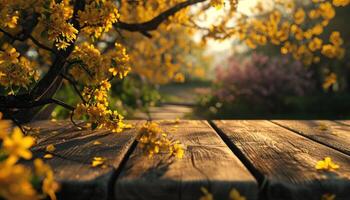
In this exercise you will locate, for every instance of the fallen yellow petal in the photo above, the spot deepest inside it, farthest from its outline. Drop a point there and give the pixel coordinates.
(326, 164)
(97, 161)
(50, 148)
(48, 156)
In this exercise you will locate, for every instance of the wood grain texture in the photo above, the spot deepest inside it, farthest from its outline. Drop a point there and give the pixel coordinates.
(345, 122)
(74, 152)
(79, 181)
(287, 160)
(46, 129)
(330, 133)
(207, 162)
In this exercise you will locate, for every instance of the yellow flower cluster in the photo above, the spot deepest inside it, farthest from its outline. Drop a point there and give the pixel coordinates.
(99, 66)
(118, 61)
(159, 59)
(98, 17)
(295, 30)
(339, 3)
(8, 16)
(154, 140)
(96, 109)
(55, 19)
(334, 49)
(217, 3)
(330, 80)
(14, 69)
(16, 179)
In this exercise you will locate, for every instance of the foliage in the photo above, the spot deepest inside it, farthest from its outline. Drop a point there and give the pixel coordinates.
(135, 92)
(261, 78)
(260, 82)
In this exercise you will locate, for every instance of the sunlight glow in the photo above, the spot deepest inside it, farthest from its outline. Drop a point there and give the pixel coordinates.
(244, 6)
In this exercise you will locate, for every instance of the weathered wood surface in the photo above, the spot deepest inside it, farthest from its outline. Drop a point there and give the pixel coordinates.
(344, 122)
(75, 150)
(208, 162)
(280, 154)
(330, 133)
(286, 160)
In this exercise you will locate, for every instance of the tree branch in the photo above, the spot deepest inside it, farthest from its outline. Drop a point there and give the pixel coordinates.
(155, 22)
(22, 39)
(46, 87)
(29, 105)
(37, 43)
(74, 85)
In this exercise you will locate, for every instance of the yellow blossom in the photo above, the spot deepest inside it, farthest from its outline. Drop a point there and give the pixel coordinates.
(179, 78)
(335, 38)
(18, 145)
(15, 70)
(330, 80)
(341, 2)
(41, 169)
(299, 16)
(49, 186)
(218, 4)
(15, 182)
(315, 44)
(327, 10)
(98, 17)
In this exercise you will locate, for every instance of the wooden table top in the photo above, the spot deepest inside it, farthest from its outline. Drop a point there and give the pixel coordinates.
(261, 159)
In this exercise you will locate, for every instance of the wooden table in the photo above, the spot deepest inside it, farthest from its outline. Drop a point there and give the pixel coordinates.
(273, 160)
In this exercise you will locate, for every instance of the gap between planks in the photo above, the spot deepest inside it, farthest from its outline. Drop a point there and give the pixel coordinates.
(261, 179)
(207, 162)
(287, 160)
(73, 154)
(332, 134)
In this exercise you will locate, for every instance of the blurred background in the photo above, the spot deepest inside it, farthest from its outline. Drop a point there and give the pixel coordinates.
(198, 77)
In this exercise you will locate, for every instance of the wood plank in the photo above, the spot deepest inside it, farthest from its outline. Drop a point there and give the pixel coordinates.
(45, 129)
(287, 160)
(330, 133)
(73, 156)
(207, 162)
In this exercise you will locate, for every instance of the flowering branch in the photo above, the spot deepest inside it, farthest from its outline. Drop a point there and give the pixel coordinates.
(155, 22)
